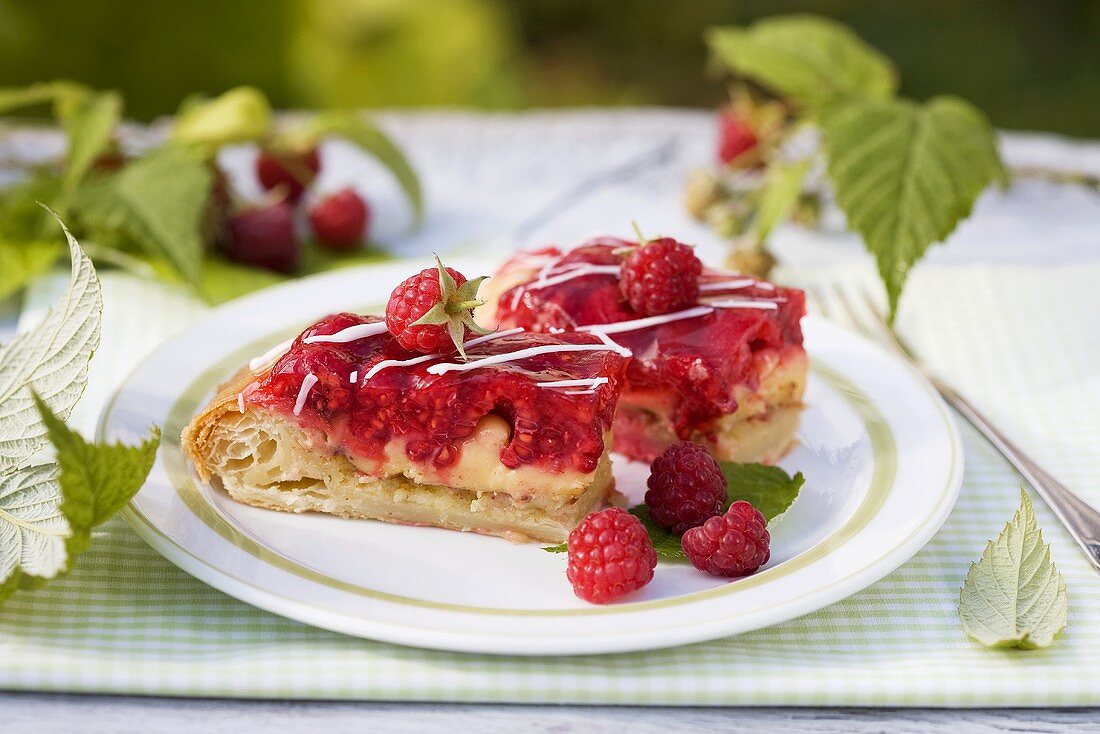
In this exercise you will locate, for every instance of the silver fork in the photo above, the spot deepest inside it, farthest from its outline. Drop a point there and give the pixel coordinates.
(1081, 519)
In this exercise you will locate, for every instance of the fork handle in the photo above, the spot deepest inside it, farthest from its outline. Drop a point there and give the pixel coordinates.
(1079, 517)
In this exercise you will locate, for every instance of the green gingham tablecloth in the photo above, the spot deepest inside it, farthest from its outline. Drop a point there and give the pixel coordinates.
(1022, 341)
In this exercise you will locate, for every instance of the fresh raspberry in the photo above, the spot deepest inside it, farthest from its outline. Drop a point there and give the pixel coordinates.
(293, 171)
(340, 220)
(735, 136)
(661, 276)
(731, 545)
(264, 237)
(610, 555)
(432, 311)
(686, 486)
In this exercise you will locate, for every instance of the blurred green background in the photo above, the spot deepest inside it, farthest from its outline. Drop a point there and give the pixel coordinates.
(1030, 64)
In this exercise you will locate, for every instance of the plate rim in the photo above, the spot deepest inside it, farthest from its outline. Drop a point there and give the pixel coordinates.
(817, 598)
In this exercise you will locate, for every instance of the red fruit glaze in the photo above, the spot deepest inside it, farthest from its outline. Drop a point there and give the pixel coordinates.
(413, 298)
(431, 414)
(686, 487)
(264, 237)
(293, 171)
(661, 276)
(340, 220)
(690, 365)
(730, 545)
(610, 555)
(735, 137)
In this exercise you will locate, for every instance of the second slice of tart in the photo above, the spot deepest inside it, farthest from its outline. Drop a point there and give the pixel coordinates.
(728, 372)
(513, 442)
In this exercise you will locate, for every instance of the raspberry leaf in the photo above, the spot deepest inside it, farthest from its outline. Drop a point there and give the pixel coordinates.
(1014, 596)
(906, 173)
(241, 115)
(665, 543)
(90, 128)
(779, 196)
(812, 61)
(50, 360)
(158, 201)
(767, 488)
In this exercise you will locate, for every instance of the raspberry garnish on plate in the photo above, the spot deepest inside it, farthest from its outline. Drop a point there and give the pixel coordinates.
(610, 555)
(734, 544)
(686, 487)
(735, 136)
(661, 276)
(433, 311)
(340, 220)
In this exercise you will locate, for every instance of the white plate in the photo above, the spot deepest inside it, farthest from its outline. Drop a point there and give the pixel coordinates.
(881, 455)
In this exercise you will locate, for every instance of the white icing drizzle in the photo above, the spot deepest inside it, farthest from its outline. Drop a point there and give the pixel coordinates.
(350, 334)
(745, 303)
(240, 402)
(386, 363)
(592, 383)
(307, 384)
(353, 377)
(727, 285)
(269, 356)
(444, 367)
(613, 344)
(569, 273)
(635, 324)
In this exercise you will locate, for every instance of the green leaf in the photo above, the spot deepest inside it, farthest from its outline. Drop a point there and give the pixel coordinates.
(158, 201)
(21, 262)
(1014, 596)
(63, 95)
(906, 173)
(811, 60)
(767, 488)
(50, 360)
(96, 480)
(90, 129)
(779, 196)
(362, 132)
(33, 529)
(242, 114)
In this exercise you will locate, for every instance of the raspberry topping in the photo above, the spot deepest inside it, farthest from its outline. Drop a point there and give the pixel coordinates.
(294, 171)
(661, 276)
(340, 220)
(735, 136)
(610, 555)
(433, 311)
(731, 545)
(686, 487)
(264, 237)
(430, 415)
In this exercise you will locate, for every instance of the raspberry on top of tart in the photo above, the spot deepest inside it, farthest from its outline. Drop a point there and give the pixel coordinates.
(725, 368)
(511, 441)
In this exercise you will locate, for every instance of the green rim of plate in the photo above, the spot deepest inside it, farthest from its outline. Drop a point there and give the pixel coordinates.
(884, 455)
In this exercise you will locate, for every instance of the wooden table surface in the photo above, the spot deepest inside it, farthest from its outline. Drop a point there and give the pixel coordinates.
(535, 186)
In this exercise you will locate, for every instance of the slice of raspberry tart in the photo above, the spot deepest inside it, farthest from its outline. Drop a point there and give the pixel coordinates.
(510, 437)
(717, 356)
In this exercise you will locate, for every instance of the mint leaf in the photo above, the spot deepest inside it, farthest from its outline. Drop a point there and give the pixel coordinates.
(90, 128)
(361, 131)
(767, 488)
(159, 202)
(21, 262)
(96, 480)
(51, 360)
(241, 115)
(811, 60)
(778, 196)
(1014, 596)
(906, 173)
